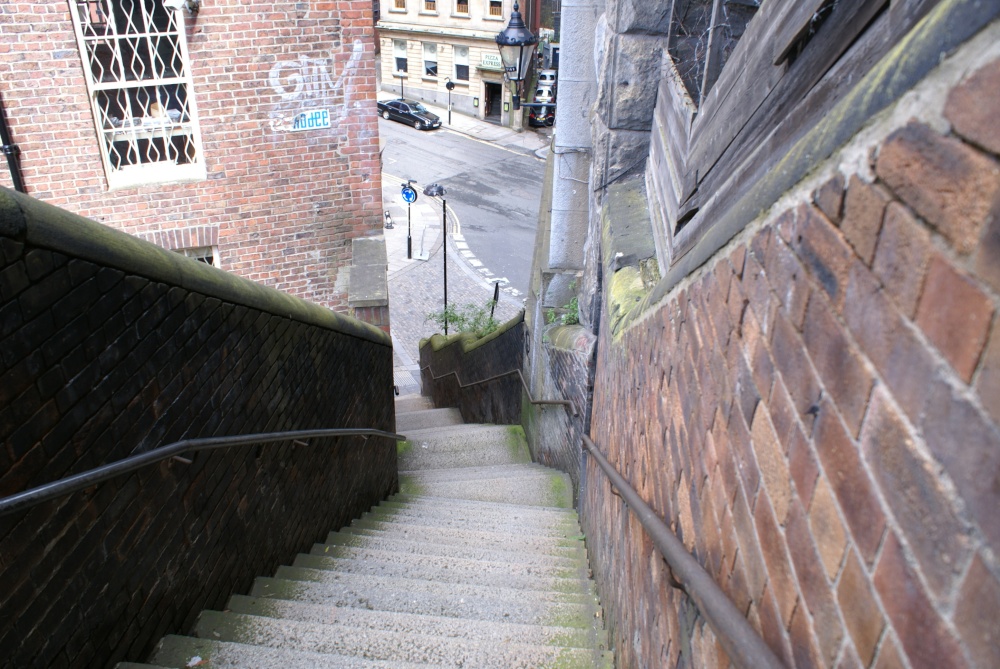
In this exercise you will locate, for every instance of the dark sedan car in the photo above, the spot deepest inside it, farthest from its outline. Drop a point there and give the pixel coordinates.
(541, 117)
(409, 111)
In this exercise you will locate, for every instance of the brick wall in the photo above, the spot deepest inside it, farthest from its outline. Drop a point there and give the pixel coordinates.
(283, 206)
(816, 413)
(497, 401)
(110, 346)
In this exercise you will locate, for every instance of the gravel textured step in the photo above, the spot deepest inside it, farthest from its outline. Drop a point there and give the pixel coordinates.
(513, 606)
(182, 651)
(456, 628)
(407, 403)
(427, 418)
(138, 665)
(349, 544)
(438, 584)
(501, 446)
(476, 519)
(375, 643)
(470, 572)
(456, 537)
(523, 484)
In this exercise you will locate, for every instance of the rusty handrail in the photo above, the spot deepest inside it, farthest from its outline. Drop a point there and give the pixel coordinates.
(738, 638)
(565, 403)
(77, 482)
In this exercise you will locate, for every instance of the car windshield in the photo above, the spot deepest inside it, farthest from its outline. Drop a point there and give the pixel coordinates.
(417, 107)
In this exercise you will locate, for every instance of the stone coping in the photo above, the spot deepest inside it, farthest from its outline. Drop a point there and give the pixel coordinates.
(469, 341)
(26, 219)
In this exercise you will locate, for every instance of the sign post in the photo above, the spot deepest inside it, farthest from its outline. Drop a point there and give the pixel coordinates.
(409, 196)
(450, 86)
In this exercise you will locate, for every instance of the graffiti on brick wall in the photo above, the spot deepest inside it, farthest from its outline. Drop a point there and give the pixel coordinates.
(310, 82)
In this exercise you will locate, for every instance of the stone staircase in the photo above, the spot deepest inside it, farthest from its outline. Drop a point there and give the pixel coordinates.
(478, 562)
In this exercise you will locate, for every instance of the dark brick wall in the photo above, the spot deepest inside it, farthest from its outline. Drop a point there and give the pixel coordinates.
(815, 412)
(498, 401)
(99, 361)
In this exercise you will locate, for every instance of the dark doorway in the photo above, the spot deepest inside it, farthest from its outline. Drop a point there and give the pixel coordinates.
(494, 101)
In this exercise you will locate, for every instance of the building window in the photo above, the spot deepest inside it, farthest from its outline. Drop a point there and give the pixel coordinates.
(206, 254)
(430, 60)
(400, 4)
(139, 82)
(462, 6)
(462, 63)
(496, 8)
(399, 52)
(430, 5)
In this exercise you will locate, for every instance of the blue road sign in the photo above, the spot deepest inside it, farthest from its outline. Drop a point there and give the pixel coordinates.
(409, 195)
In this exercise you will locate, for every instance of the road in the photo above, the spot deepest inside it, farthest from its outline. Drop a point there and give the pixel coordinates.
(493, 190)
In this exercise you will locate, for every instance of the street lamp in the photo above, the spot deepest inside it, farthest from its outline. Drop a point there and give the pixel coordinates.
(437, 190)
(517, 48)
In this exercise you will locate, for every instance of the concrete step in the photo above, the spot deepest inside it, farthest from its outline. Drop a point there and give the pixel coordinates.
(418, 597)
(137, 665)
(374, 643)
(455, 628)
(519, 516)
(435, 584)
(427, 418)
(514, 484)
(470, 572)
(430, 505)
(181, 651)
(565, 529)
(473, 446)
(408, 403)
(536, 543)
(443, 432)
(362, 543)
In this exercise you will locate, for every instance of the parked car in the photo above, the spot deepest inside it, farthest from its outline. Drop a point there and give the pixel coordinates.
(409, 111)
(547, 78)
(544, 94)
(541, 116)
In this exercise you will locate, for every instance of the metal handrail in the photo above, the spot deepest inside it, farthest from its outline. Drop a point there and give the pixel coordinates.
(77, 482)
(738, 638)
(565, 403)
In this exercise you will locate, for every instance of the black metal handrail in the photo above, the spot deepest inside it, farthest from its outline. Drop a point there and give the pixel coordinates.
(741, 642)
(77, 482)
(566, 403)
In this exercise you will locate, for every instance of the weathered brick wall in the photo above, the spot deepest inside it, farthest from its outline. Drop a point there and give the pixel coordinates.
(497, 401)
(554, 434)
(101, 358)
(282, 206)
(816, 410)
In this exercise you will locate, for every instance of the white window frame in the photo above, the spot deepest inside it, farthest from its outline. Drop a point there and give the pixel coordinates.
(205, 254)
(493, 17)
(155, 123)
(461, 60)
(396, 44)
(467, 8)
(432, 49)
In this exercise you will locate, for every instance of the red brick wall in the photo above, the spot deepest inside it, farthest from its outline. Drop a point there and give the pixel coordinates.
(817, 414)
(284, 205)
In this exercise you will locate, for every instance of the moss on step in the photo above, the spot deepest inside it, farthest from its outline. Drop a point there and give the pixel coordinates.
(560, 494)
(408, 485)
(403, 447)
(517, 444)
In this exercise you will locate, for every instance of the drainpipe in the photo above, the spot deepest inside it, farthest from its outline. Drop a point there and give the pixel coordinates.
(10, 150)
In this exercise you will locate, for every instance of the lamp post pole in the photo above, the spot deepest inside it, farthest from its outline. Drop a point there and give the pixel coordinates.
(450, 85)
(401, 96)
(437, 190)
(409, 196)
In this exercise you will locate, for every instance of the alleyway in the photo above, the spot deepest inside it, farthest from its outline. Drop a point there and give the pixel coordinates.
(416, 286)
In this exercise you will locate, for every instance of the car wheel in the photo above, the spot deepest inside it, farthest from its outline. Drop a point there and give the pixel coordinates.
(418, 125)
(385, 115)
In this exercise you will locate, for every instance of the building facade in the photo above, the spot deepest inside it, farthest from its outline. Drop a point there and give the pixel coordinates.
(241, 133)
(428, 43)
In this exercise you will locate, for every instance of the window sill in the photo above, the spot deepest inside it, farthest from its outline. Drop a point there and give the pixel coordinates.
(427, 78)
(426, 13)
(493, 18)
(393, 10)
(460, 16)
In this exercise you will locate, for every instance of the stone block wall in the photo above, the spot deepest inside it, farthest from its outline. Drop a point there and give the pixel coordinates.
(109, 347)
(281, 207)
(497, 401)
(554, 434)
(815, 412)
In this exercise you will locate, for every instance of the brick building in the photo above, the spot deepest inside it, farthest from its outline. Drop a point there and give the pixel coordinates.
(241, 133)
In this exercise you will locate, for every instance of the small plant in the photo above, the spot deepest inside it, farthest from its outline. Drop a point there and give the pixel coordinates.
(468, 319)
(572, 314)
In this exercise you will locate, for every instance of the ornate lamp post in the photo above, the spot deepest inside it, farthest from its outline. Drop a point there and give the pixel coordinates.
(517, 48)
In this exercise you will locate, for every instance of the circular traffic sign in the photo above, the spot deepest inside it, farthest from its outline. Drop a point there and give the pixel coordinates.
(409, 195)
